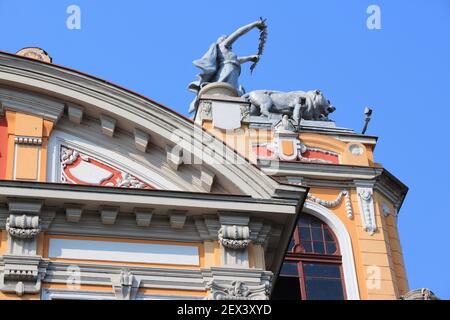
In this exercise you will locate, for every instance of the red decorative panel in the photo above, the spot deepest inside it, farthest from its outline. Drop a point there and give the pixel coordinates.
(78, 168)
(322, 155)
(302, 153)
(3, 146)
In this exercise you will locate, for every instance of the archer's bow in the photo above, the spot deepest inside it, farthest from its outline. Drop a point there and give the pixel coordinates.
(262, 42)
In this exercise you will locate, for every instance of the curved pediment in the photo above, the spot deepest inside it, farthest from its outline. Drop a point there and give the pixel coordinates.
(122, 134)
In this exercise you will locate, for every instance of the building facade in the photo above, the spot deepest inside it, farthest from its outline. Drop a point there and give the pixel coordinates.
(106, 194)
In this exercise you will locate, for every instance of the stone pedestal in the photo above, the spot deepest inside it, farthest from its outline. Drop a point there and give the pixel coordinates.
(219, 102)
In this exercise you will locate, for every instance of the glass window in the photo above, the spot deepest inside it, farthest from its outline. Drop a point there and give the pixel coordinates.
(312, 267)
(289, 269)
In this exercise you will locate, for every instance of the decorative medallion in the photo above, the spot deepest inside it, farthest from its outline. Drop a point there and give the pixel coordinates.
(79, 168)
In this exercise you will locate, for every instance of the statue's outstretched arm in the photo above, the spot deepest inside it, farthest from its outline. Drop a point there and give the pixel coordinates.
(252, 58)
(241, 31)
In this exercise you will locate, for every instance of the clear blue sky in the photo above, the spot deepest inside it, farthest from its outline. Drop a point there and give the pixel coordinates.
(402, 71)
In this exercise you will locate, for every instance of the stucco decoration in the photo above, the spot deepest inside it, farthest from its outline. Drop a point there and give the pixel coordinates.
(234, 237)
(79, 168)
(126, 285)
(22, 274)
(309, 105)
(365, 200)
(23, 226)
(420, 294)
(336, 202)
(287, 146)
(237, 291)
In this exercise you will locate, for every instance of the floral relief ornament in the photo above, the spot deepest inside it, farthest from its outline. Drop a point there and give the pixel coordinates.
(111, 177)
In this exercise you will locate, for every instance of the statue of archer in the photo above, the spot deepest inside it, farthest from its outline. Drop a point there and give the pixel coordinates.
(221, 64)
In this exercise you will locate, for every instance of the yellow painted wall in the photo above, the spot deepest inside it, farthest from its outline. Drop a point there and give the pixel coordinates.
(27, 161)
(378, 259)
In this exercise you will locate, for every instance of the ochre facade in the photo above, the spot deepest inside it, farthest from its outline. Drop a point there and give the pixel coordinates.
(333, 161)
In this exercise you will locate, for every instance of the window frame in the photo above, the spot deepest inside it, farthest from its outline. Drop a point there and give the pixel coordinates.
(300, 257)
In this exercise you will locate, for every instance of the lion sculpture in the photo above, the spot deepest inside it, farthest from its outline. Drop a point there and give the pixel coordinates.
(310, 105)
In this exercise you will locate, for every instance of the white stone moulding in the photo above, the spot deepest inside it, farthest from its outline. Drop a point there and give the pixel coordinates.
(345, 245)
(336, 202)
(124, 252)
(367, 209)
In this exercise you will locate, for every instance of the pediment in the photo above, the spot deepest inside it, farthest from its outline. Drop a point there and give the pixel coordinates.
(124, 134)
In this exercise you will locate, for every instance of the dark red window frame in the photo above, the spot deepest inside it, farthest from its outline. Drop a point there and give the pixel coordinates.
(301, 256)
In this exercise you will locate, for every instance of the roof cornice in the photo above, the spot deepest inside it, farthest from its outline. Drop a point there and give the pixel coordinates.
(132, 111)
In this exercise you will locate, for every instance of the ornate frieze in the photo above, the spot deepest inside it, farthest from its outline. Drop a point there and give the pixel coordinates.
(336, 202)
(79, 168)
(238, 291)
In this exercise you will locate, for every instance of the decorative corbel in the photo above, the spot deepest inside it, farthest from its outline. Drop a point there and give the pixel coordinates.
(73, 213)
(143, 217)
(177, 219)
(234, 237)
(141, 140)
(174, 157)
(109, 214)
(366, 206)
(108, 125)
(126, 285)
(75, 113)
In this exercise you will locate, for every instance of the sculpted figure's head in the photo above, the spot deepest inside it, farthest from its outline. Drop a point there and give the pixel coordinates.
(321, 104)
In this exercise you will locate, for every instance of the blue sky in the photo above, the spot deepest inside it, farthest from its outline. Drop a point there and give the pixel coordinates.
(402, 71)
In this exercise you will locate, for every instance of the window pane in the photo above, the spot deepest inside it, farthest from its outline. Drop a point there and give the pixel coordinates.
(324, 289)
(289, 269)
(304, 221)
(291, 245)
(319, 247)
(317, 234)
(321, 270)
(331, 248)
(315, 222)
(307, 246)
(286, 288)
(305, 233)
(328, 236)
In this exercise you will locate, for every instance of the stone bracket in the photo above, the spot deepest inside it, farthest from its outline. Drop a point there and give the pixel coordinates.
(177, 219)
(141, 140)
(109, 214)
(174, 157)
(73, 213)
(143, 217)
(22, 274)
(108, 125)
(367, 209)
(125, 285)
(75, 113)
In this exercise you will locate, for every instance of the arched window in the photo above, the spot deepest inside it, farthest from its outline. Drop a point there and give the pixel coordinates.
(312, 269)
